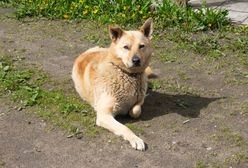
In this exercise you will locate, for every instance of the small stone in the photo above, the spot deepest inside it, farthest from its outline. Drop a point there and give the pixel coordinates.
(70, 136)
(147, 125)
(37, 149)
(186, 121)
(19, 108)
(209, 148)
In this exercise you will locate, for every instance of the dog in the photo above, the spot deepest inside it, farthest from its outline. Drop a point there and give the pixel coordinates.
(114, 80)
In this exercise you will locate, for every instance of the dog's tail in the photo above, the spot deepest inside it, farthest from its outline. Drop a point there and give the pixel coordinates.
(149, 73)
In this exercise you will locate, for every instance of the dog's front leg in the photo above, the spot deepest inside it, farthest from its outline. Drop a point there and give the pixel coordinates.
(106, 120)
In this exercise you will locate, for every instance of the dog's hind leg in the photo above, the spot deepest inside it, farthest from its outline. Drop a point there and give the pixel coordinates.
(106, 119)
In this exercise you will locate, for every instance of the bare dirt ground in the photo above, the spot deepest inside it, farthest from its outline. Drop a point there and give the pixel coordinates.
(206, 129)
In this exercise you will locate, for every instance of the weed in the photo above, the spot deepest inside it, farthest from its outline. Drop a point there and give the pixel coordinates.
(154, 85)
(182, 75)
(182, 104)
(2, 163)
(200, 164)
(237, 158)
(168, 57)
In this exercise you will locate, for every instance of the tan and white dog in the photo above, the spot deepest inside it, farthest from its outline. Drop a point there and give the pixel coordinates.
(114, 80)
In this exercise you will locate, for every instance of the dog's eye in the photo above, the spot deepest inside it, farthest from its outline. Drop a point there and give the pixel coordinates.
(126, 47)
(141, 46)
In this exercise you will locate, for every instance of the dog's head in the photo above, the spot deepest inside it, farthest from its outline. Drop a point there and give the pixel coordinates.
(132, 47)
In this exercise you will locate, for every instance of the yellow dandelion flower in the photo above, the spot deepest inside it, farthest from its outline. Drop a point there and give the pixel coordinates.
(65, 16)
(85, 12)
(96, 7)
(82, 1)
(74, 5)
(141, 12)
(124, 8)
(209, 25)
(95, 11)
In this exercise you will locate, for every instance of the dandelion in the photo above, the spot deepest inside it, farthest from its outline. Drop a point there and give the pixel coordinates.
(82, 1)
(141, 12)
(65, 16)
(74, 5)
(95, 11)
(124, 8)
(246, 26)
(209, 25)
(85, 12)
(96, 7)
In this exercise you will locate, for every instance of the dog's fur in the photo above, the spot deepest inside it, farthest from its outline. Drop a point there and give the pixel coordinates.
(109, 80)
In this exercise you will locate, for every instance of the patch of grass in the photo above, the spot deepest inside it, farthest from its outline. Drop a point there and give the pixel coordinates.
(26, 87)
(134, 128)
(168, 57)
(236, 158)
(2, 163)
(6, 3)
(200, 164)
(154, 85)
(166, 12)
(226, 136)
(182, 75)
(207, 44)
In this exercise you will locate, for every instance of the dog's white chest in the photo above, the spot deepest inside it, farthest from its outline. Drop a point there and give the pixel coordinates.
(127, 91)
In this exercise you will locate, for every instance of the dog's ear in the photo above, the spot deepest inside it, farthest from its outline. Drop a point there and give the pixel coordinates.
(115, 33)
(147, 28)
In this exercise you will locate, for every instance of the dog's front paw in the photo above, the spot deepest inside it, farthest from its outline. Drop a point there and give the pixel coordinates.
(137, 143)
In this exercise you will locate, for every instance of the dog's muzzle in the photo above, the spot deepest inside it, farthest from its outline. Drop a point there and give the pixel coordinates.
(136, 60)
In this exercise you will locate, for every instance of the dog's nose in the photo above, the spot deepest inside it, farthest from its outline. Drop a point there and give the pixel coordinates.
(136, 60)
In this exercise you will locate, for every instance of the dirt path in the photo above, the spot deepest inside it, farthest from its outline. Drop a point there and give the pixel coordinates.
(181, 130)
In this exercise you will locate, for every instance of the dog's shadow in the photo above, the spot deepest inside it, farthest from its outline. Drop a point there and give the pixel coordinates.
(158, 104)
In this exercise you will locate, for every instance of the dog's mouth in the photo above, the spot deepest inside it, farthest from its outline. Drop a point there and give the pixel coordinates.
(134, 68)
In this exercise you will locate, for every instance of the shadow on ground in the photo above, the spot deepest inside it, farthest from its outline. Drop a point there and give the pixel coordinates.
(159, 104)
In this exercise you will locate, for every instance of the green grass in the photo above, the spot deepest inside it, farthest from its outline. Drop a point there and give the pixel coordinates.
(125, 12)
(154, 85)
(200, 164)
(229, 137)
(226, 45)
(134, 128)
(27, 87)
